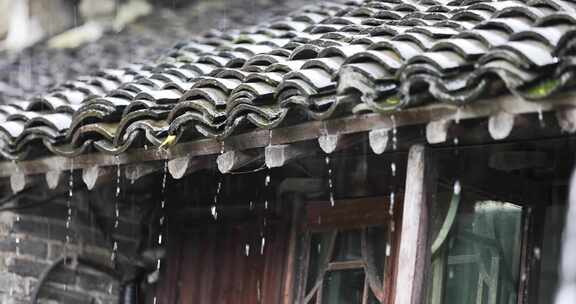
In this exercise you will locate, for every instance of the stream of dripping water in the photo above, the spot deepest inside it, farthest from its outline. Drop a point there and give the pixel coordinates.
(17, 244)
(393, 175)
(162, 222)
(114, 254)
(262, 232)
(457, 122)
(213, 208)
(541, 118)
(330, 181)
(68, 224)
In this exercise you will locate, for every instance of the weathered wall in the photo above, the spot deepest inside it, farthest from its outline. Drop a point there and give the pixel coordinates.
(33, 236)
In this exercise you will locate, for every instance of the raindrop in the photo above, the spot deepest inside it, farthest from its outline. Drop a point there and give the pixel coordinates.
(541, 118)
(457, 118)
(388, 249)
(267, 180)
(262, 245)
(457, 188)
(247, 249)
(330, 183)
(394, 133)
(392, 201)
(266, 185)
(537, 253)
(214, 212)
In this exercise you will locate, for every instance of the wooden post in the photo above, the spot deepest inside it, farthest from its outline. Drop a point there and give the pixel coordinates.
(291, 258)
(414, 253)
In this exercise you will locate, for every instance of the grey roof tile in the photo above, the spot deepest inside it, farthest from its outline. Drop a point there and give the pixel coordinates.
(409, 51)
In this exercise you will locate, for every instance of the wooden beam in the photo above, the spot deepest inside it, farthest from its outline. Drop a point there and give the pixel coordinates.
(301, 132)
(53, 178)
(182, 166)
(96, 175)
(414, 252)
(18, 181)
(437, 131)
(279, 155)
(567, 119)
(500, 125)
(332, 143)
(378, 140)
(328, 143)
(136, 171)
(232, 160)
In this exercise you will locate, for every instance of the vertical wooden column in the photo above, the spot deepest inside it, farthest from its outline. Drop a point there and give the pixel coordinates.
(566, 293)
(414, 253)
(289, 289)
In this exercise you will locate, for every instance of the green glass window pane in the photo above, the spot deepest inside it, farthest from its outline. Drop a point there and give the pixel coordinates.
(481, 256)
(343, 287)
(313, 261)
(461, 284)
(372, 298)
(378, 248)
(347, 247)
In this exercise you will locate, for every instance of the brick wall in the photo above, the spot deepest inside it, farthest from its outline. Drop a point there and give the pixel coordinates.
(33, 237)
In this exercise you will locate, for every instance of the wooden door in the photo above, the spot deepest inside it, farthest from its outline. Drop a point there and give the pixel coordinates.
(226, 264)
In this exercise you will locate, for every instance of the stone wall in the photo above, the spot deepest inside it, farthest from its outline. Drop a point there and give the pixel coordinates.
(33, 236)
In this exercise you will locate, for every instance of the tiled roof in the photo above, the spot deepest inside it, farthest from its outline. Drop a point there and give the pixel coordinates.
(323, 61)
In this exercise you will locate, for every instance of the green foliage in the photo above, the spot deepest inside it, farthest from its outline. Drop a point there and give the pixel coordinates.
(543, 88)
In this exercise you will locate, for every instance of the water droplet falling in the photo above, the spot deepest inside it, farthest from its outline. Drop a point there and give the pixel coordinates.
(457, 118)
(266, 185)
(541, 118)
(388, 249)
(262, 245)
(247, 249)
(537, 253)
(330, 183)
(457, 188)
(392, 201)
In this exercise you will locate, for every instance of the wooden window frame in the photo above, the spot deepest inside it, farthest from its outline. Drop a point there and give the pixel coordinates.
(349, 215)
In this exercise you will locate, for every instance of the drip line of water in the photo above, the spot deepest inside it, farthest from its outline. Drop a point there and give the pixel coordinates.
(162, 221)
(114, 254)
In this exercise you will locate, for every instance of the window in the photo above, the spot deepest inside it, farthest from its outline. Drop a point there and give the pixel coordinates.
(348, 252)
(497, 241)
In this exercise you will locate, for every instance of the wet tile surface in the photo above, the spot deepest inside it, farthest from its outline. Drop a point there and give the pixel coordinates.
(389, 54)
